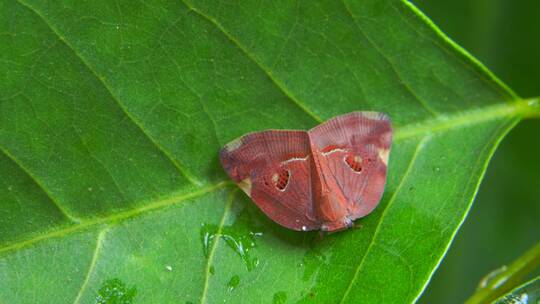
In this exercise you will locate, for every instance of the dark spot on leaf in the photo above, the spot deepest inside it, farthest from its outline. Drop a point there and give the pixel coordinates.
(279, 298)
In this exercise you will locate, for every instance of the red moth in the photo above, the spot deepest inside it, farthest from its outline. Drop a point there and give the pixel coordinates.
(320, 179)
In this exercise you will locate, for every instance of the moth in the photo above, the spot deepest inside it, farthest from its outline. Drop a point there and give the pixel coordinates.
(322, 179)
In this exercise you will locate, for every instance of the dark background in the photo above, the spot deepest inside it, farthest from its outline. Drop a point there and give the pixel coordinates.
(503, 223)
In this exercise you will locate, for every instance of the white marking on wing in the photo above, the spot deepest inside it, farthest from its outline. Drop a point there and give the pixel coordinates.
(383, 155)
(245, 185)
(334, 151)
(372, 115)
(233, 145)
(295, 159)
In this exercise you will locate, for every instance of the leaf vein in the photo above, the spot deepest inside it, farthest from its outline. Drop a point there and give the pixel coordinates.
(419, 147)
(217, 237)
(477, 67)
(404, 84)
(99, 242)
(117, 217)
(252, 58)
(189, 176)
(473, 183)
(40, 186)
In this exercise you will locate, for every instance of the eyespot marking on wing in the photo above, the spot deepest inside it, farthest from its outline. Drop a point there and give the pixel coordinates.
(354, 162)
(245, 185)
(281, 180)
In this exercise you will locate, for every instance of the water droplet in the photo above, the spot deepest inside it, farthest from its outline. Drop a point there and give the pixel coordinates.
(233, 282)
(168, 268)
(515, 299)
(533, 103)
(304, 228)
(10, 187)
(493, 275)
(255, 263)
(437, 169)
(212, 270)
(208, 233)
(89, 188)
(115, 291)
(240, 237)
(280, 297)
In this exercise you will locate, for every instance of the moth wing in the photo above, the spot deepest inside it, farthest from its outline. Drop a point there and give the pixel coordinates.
(274, 169)
(355, 148)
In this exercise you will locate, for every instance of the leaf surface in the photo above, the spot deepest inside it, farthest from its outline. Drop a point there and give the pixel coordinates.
(112, 114)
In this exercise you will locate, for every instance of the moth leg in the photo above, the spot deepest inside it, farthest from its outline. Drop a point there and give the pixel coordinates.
(357, 225)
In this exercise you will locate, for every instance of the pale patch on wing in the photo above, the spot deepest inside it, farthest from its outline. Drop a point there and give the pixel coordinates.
(383, 155)
(371, 115)
(245, 185)
(334, 151)
(233, 145)
(295, 159)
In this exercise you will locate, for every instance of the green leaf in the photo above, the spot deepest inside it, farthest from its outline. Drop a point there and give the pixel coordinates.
(526, 293)
(505, 278)
(112, 114)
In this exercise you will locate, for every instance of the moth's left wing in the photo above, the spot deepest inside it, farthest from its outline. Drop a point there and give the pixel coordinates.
(274, 169)
(355, 149)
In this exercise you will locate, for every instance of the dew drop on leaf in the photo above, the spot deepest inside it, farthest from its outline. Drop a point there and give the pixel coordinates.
(241, 237)
(233, 282)
(114, 291)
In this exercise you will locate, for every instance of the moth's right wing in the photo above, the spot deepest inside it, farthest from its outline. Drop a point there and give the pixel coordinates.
(355, 147)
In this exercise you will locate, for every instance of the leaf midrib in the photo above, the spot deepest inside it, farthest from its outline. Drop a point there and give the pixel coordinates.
(118, 217)
(441, 124)
(186, 173)
(427, 127)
